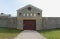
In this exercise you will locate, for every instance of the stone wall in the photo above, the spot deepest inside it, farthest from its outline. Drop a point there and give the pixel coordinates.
(45, 22)
(57, 22)
(6, 21)
(50, 22)
(12, 22)
(3, 21)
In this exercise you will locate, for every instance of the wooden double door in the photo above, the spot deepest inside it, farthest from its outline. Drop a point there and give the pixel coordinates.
(29, 24)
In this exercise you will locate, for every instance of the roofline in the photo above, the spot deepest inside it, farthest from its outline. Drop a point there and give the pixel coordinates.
(28, 5)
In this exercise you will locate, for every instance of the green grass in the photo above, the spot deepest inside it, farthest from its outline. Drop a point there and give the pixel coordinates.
(51, 34)
(8, 33)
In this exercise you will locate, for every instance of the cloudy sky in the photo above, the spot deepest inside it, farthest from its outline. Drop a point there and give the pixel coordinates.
(51, 8)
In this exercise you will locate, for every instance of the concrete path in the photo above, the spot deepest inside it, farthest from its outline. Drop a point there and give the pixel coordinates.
(29, 34)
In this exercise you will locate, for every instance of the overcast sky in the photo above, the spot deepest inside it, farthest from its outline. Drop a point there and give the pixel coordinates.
(51, 8)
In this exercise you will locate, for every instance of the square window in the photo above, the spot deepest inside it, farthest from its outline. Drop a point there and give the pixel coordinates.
(27, 14)
(38, 13)
(29, 8)
(31, 14)
(20, 13)
(23, 14)
(34, 14)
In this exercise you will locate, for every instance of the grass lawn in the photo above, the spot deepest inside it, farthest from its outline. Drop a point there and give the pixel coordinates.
(51, 34)
(8, 33)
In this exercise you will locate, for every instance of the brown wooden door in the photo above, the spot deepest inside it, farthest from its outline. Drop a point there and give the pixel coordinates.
(29, 24)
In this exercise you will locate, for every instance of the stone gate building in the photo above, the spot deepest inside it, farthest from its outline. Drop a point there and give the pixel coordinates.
(29, 18)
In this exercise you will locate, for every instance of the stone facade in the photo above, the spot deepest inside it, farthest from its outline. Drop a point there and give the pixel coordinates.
(25, 14)
(29, 12)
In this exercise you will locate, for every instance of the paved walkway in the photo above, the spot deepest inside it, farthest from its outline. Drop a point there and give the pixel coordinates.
(29, 34)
